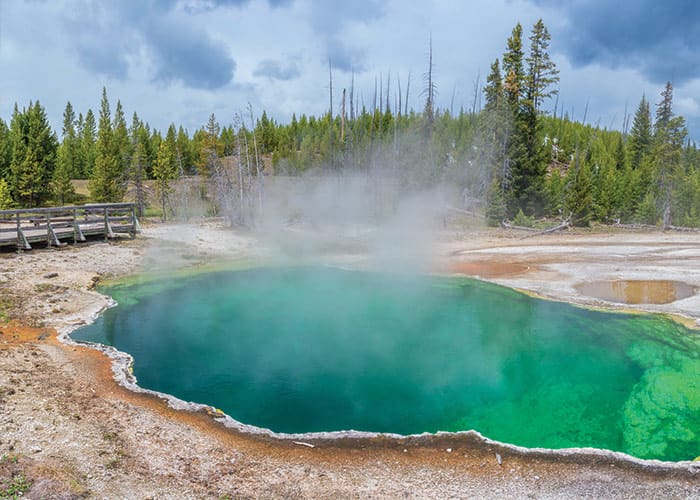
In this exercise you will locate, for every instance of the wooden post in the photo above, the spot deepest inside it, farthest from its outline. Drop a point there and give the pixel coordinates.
(19, 235)
(106, 221)
(75, 225)
(48, 231)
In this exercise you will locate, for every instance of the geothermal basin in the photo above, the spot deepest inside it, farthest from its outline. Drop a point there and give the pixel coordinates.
(320, 349)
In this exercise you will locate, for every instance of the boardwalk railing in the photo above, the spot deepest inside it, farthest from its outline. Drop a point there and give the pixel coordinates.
(57, 225)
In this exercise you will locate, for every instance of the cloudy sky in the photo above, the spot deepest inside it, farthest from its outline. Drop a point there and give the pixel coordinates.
(177, 61)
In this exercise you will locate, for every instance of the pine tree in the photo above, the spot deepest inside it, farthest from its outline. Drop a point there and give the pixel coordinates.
(184, 150)
(513, 71)
(641, 134)
(122, 147)
(5, 150)
(164, 173)
(138, 175)
(138, 162)
(579, 192)
(210, 148)
(493, 91)
(67, 158)
(34, 148)
(526, 152)
(87, 138)
(495, 123)
(5, 195)
(107, 181)
(542, 72)
(669, 138)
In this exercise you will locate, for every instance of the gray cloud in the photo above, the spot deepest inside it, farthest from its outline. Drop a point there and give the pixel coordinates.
(112, 33)
(329, 18)
(183, 53)
(657, 38)
(277, 70)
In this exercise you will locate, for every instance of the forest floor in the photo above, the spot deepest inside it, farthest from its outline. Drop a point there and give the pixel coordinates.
(70, 431)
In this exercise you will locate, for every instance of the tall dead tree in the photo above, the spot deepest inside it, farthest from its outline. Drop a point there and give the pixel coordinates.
(258, 170)
(398, 93)
(342, 119)
(387, 108)
(330, 87)
(352, 94)
(408, 87)
(430, 87)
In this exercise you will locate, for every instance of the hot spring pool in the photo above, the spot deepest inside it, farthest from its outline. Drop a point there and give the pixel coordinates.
(321, 349)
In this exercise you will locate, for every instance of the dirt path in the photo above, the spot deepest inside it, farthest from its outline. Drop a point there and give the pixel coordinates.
(71, 431)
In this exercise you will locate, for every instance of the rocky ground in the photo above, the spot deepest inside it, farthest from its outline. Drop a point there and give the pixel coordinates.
(70, 431)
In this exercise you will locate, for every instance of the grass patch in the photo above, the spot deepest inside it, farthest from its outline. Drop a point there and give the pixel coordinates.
(9, 459)
(15, 487)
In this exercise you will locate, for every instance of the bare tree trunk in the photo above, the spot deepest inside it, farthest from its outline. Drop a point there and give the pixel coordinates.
(352, 94)
(398, 86)
(330, 88)
(408, 86)
(430, 87)
(241, 185)
(258, 171)
(185, 187)
(247, 163)
(342, 120)
(374, 98)
(388, 88)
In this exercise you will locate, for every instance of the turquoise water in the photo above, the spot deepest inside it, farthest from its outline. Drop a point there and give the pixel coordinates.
(322, 349)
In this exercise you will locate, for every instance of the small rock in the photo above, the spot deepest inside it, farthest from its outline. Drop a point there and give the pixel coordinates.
(449, 450)
(499, 459)
(51, 275)
(36, 449)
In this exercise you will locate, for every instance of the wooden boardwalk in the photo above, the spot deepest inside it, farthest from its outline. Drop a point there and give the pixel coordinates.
(57, 226)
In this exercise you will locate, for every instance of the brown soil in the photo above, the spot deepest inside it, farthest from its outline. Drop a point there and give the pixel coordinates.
(74, 432)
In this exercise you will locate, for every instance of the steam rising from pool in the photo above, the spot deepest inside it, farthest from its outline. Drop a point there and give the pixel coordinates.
(306, 349)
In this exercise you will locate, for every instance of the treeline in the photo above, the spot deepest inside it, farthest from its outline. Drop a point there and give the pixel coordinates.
(509, 160)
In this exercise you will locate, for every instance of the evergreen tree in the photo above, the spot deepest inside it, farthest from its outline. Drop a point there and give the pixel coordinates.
(579, 192)
(87, 151)
(496, 117)
(164, 173)
(210, 148)
(669, 138)
(67, 158)
(5, 150)
(138, 175)
(34, 148)
(641, 134)
(107, 181)
(122, 144)
(527, 155)
(5, 195)
(542, 72)
(513, 71)
(138, 162)
(184, 150)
